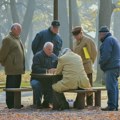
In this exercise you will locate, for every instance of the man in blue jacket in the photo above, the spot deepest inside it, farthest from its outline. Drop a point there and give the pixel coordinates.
(110, 64)
(44, 60)
(48, 35)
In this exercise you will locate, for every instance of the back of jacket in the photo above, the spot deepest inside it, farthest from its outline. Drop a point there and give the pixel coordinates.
(74, 76)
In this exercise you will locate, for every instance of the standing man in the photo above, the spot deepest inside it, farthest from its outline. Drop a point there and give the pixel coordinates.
(12, 58)
(110, 64)
(48, 35)
(44, 60)
(86, 48)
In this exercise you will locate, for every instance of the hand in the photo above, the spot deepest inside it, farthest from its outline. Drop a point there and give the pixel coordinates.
(52, 71)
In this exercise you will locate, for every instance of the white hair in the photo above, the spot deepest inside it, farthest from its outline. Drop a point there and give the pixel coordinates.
(15, 25)
(65, 50)
(48, 44)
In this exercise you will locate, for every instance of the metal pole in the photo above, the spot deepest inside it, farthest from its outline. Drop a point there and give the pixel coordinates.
(55, 7)
(70, 25)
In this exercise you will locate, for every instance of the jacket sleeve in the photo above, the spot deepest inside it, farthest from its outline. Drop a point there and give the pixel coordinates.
(92, 50)
(36, 42)
(59, 67)
(4, 50)
(57, 45)
(36, 67)
(105, 53)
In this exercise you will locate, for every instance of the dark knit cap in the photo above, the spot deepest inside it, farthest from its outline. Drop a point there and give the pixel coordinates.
(104, 29)
(55, 23)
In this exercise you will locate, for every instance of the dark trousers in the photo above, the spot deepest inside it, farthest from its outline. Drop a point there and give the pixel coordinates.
(12, 81)
(59, 101)
(89, 99)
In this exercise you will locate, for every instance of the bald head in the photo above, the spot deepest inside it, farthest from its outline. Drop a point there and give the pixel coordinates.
(16, 29)
(48, 48)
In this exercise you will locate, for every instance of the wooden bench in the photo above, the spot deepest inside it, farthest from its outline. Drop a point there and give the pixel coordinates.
(17, 95)
(81, 96)
(2, 85)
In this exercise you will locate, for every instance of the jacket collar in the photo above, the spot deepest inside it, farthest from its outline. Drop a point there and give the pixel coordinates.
(11, 34)
(107, 35)
(45, 54)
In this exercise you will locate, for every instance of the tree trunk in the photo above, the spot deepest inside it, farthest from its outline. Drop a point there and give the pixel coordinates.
(14, 13)
(27, 19)
(104, 18)
(63, 18)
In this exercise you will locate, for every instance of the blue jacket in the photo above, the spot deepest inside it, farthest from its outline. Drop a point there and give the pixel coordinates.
(46, 36)
(109, 53)
(42, 62)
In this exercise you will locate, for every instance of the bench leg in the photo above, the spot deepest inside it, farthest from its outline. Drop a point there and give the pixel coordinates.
(17, 100)
(98, 98)
(34, 99)
(80, 101)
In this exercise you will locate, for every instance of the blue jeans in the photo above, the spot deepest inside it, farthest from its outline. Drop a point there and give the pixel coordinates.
(37, 89)
(111, 81)
(42, 88)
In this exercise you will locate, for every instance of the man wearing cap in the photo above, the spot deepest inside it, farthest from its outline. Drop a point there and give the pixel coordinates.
(86, 48)
(48, 35)
(110, 64)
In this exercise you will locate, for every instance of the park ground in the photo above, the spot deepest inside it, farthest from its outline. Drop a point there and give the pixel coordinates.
(30, 113)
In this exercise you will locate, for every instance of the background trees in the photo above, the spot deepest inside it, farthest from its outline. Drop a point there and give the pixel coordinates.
(36, 15)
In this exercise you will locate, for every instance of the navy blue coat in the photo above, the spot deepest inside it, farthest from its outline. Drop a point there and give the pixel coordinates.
(42, 62)
(46, 36)
(109, 53)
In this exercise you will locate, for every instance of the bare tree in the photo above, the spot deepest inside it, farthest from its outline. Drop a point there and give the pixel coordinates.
(104, 18)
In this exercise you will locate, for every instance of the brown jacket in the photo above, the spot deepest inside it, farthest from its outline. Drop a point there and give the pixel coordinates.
(71, 67)
(92, 51)
(12, 55)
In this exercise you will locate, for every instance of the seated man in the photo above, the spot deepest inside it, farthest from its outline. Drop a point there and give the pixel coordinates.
(71, 67)
(44, 60)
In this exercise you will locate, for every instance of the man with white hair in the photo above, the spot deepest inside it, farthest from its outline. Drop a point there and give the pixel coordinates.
(44, 60)
(71, 67)
(13, 60)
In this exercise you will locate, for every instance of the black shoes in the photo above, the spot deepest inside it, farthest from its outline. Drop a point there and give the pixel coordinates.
(12, 106)
(109, 109)
(61, 107)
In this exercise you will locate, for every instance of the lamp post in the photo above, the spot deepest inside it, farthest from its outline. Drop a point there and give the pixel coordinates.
(55, 7)
(70, 25)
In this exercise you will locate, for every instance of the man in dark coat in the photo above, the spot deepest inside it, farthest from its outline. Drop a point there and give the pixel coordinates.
(48, 35)
(44, 60)
(110, 64)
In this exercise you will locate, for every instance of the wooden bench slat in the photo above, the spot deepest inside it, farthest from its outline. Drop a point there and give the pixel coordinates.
(17, 89)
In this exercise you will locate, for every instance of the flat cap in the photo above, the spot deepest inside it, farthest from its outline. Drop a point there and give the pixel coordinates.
(76, 30)
(104, 29)
(55, 23)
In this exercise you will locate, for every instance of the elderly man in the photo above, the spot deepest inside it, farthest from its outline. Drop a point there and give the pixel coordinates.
(12, 58)
(71, 67)
(86, 48)
(110, 64)
(48, 35)
(44, 60)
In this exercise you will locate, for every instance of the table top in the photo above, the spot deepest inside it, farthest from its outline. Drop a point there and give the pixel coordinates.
(45, 75)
